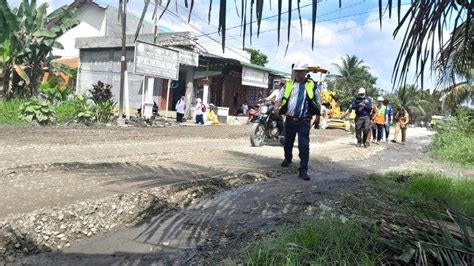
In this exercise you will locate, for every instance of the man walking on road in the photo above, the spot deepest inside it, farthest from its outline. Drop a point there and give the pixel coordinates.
(389, 119)
(299, 103)
(402, 124)
(362, 106)
(380, 118)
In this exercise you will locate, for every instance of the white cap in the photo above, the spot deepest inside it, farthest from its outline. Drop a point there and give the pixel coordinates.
(300, 66)
(361, 91)
(198, 100)
(380, 99)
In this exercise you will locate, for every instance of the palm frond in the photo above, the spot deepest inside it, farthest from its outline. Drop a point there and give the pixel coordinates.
(165, 9)
(259, 11)
(299, 16)
(315, 11)
(279, 18)
(142, 17)
(456, 94)
(222, 21)
(425, 22)
(456, 58)
(190, 10)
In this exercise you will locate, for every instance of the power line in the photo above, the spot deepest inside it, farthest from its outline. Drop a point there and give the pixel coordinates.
(298, 26)
(327, 34)
(232, 37)
(199, 30)
(273, 16)
(212, 39)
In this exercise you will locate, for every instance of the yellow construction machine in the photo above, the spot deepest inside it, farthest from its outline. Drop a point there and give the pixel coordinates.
(331, 114)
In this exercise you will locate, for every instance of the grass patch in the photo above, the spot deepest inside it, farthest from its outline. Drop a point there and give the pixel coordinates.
(429, 193)
(398, 218)
(454, 142)
(10, 112)
(326, 241)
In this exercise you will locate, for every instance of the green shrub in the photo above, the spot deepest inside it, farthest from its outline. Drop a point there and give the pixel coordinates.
(9, 112)
(101, 95)
(104, 111)
(54, 91)
(86, 111)
(454, 141)
(36, 110)
(67, 111)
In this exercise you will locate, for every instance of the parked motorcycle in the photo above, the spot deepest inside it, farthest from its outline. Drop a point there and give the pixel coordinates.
(267, 125)
(154, 111)
(253, 114)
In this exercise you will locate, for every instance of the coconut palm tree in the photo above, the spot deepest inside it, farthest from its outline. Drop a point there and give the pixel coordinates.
(456, 94)
(419, 104)
(354, 74)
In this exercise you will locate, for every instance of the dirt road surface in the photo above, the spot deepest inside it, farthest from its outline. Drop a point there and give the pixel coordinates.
(43, 167)
(51, 168)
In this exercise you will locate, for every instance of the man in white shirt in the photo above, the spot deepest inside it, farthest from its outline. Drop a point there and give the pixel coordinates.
(276, 92)
(180, 109)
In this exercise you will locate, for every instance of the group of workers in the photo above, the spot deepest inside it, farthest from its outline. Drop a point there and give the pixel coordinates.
(373, 120)
(299, 100)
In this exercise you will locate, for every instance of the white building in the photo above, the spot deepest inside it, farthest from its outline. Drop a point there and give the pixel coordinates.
(95, 20)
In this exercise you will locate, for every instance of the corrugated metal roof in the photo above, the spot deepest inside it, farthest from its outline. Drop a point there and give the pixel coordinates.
(266, 69)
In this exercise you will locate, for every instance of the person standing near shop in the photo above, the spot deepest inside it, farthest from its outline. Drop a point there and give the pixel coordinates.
(298, 102)
(362, 106)
(180, 109)
(200, 109)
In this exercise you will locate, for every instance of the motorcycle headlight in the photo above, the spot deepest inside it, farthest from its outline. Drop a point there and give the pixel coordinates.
(263, 109)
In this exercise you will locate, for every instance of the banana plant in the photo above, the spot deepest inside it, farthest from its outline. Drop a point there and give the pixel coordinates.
(27, 39)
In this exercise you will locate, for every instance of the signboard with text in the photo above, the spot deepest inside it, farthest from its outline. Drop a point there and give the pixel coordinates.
(254, 77)
(155, 61)
(188, 58)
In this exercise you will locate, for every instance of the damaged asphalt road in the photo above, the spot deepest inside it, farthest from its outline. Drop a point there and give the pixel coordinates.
(216, 227)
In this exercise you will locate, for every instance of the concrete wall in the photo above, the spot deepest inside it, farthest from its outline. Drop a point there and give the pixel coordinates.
(104, 65)
(97, 21)
(92, 23)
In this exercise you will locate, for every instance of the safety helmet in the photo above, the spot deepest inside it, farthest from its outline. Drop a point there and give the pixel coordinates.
(380, 99)
(361, 91)
(300, 66)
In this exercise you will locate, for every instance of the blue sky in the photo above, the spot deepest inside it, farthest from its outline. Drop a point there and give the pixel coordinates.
(354, 29)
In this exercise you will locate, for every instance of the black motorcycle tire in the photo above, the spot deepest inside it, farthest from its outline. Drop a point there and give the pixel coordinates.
(257, 138)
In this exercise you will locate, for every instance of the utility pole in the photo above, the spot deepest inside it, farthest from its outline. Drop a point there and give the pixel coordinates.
(123, 60)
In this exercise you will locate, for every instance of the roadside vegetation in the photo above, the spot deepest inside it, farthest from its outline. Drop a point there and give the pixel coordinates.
(454, 140)
(9, 111)
(415, 218)
(57, 105)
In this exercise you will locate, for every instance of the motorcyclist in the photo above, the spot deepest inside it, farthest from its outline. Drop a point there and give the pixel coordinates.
(273, 96)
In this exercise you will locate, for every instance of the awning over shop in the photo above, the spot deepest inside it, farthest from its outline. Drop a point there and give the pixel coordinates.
(266, 69)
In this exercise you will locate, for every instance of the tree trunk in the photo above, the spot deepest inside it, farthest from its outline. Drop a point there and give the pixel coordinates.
(189, 95)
